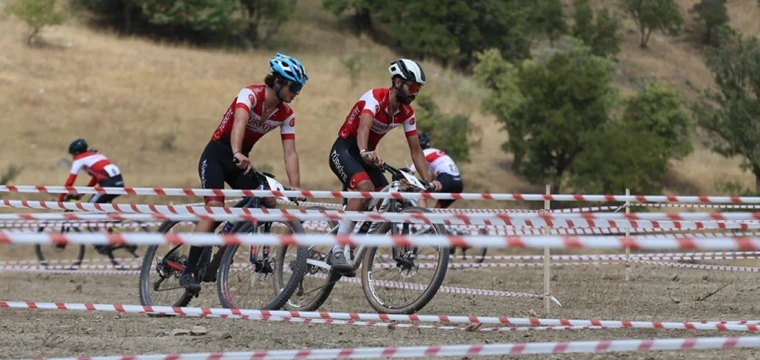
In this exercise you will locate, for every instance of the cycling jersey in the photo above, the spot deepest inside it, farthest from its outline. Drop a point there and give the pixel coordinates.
(438, 162)
(96, 165)
(375, 102)
(251, 99)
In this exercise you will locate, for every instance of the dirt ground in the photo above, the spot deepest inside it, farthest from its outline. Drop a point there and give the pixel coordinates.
(661, 294)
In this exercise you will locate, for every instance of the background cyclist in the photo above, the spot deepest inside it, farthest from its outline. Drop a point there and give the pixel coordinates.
(443, 168)
(102, 172)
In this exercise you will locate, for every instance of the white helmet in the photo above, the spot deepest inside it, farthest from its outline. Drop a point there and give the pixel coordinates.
(408, 70)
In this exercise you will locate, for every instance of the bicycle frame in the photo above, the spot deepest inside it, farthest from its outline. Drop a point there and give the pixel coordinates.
(366, 227)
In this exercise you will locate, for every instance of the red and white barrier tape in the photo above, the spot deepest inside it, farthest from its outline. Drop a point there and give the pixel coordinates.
(736, 325)
(138, 212)
(557, 242)
(463, 350)
(376, 195)
(701, 266)
(621, 257)
(707, 206)
(71, 272)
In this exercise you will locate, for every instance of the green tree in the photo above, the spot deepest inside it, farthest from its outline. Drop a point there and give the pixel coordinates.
(37, 14)
(657, 109)
(603, 36)
(616, 157)
(710, 14)
(263, 18)
(651, 15)
(734, 124)
(548, 18)
(198, 15)
(451, 31)
(361, 10)
(449, 133)
(564, 100)
(499, 75)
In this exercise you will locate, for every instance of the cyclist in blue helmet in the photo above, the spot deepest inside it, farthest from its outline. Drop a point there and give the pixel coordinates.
(255, 111)
(289, 71)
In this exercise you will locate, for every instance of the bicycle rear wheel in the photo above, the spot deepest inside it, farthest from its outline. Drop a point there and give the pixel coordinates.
(246, 269)
(386, 269)
(60, 257)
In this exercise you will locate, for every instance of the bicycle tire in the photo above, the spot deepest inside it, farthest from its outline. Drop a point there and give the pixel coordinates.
(427, 294)
(44, 261)
(331, 278)
(283, 294)
(145, 272)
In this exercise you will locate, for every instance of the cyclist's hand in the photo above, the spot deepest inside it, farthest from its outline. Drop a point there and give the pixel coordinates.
(296, 199)
(242, 162)
(372, 158)
(433, 186)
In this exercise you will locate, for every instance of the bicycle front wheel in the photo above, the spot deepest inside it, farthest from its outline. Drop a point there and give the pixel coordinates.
(159, 279)
(402, 280)
(319, 279)
(60, 257)
(247, 277)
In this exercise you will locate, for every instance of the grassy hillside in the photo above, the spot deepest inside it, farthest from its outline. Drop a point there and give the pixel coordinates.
(152, 107)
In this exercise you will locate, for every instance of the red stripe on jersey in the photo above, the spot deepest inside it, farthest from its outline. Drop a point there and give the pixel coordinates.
(433, 156)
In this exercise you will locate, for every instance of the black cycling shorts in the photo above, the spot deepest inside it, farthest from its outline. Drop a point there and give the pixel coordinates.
(449, 184)
(347, 165)
(114, 181)
(217, 168)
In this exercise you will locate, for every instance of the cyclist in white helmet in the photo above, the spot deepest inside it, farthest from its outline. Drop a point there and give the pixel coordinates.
(353, 158)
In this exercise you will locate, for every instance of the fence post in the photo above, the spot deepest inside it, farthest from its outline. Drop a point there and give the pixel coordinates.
(547, 255)
(627, 234)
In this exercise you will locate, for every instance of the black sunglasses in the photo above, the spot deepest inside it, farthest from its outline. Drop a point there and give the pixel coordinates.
(295, 87)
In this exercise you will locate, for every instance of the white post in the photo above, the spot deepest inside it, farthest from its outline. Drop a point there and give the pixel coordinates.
(547, 254)
(627, 234)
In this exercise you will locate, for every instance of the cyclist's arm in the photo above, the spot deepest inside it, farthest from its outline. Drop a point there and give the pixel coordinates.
(418, 158)
(288, 136)
(362, 133)
(291, 162)
(238, 129)
(93, 181)
(76, 166)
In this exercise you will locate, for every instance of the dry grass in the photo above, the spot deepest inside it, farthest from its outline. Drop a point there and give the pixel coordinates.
(129, 96)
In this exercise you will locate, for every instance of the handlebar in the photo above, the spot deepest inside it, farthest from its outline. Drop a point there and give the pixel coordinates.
(397, 175)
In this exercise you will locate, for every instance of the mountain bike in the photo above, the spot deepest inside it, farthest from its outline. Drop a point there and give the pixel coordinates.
(56, 256)
(254, 262)
(400, 262)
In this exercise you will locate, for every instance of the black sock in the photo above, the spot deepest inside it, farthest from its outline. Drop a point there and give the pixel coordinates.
(192, 259)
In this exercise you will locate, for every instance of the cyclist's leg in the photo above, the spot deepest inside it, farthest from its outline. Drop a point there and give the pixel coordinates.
(212, 174)
(115, 181)
(345, 162)
(449, 184)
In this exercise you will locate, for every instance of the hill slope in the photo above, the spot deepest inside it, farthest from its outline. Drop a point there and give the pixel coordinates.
(152, 107)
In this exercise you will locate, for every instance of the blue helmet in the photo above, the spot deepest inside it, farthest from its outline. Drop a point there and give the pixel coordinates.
(288, 68)
(78, 146)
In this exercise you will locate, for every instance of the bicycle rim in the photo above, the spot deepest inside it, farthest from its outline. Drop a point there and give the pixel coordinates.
(247, 277)
(60, 257)
(402, 280)
(159, 283)
(318, 282)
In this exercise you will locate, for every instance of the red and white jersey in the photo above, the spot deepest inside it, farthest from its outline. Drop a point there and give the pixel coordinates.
(438, 162)
(95, 164)
(375, 102)
(251, 99)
